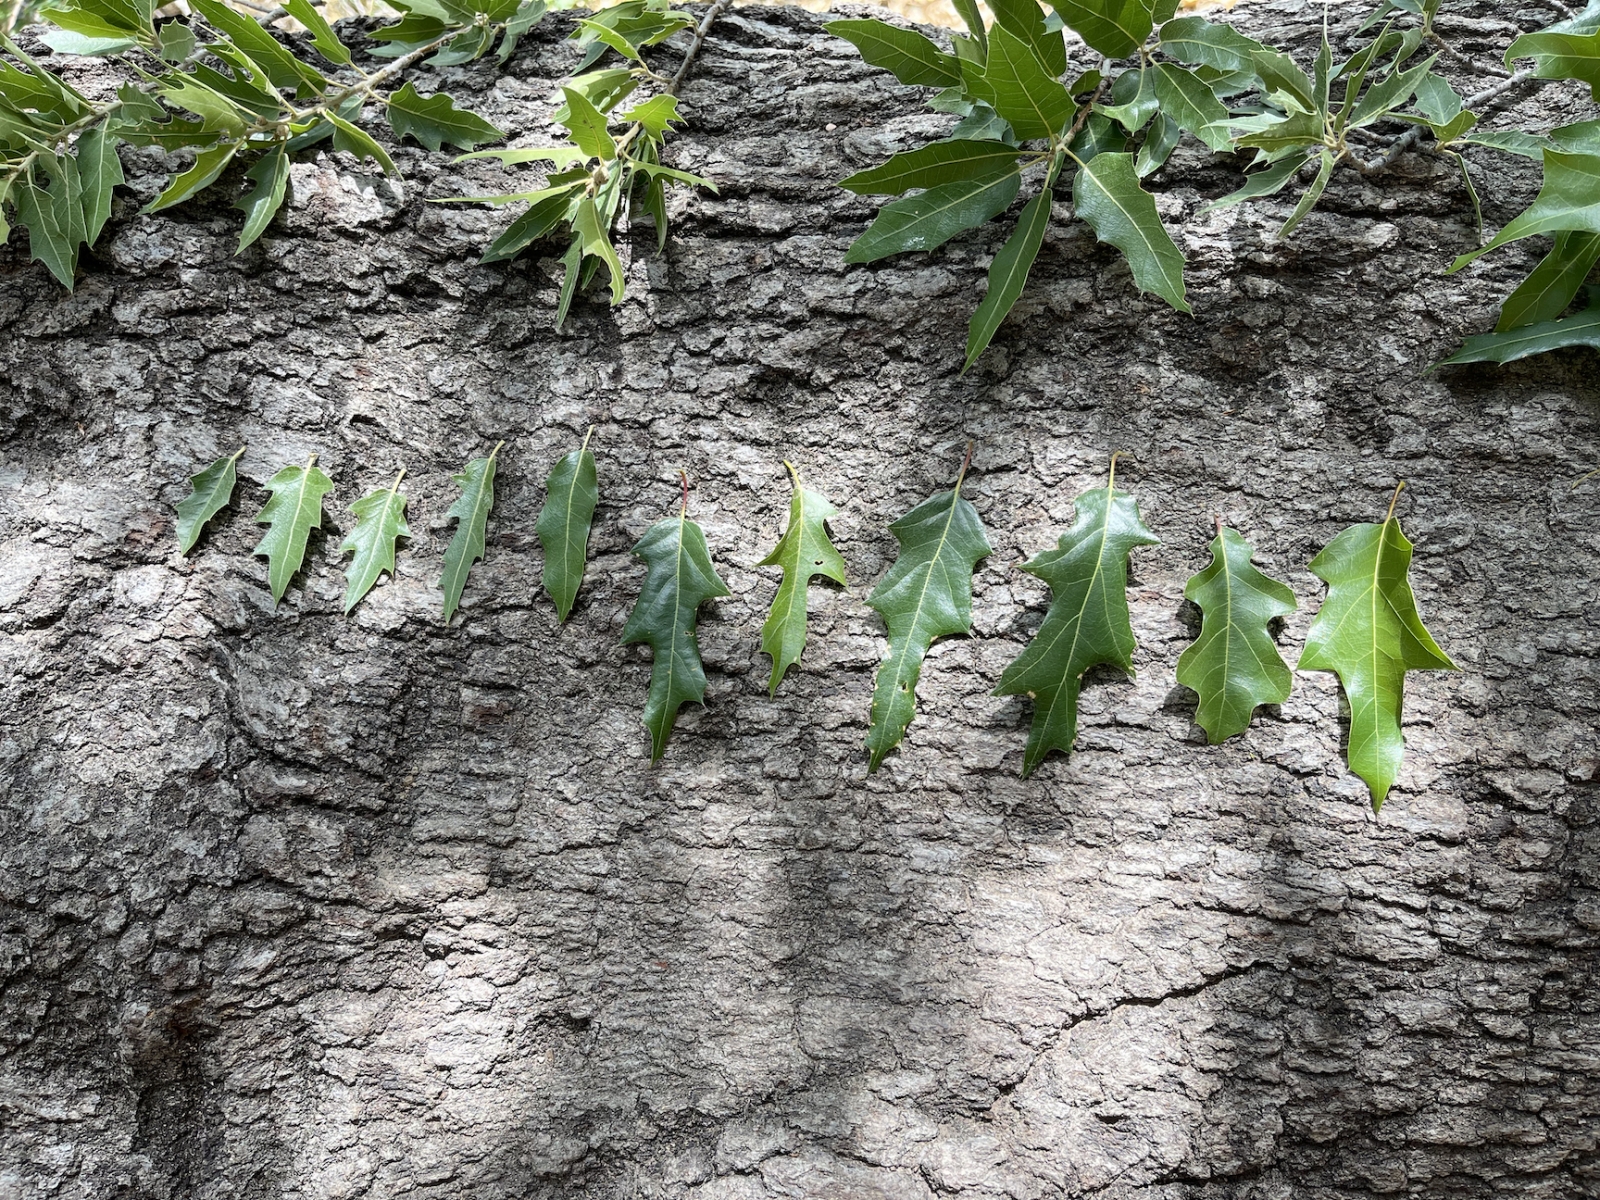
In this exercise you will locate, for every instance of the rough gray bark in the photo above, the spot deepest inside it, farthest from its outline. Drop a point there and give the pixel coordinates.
(301, 906)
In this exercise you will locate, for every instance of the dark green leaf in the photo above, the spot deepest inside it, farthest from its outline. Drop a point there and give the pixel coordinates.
(48, 241)
(1025, 20)
(282, 67)
(208, 164)
(926, 594)
(1133, 100)
(1545, 294)
(1580, 330)
(1263, 183)
(1116, 28)
(938, 162)
(1107, 195)
(322, 36)
(933, 217)
(471, 511)
(679, 578)
(293, 512)
(588, 126)
(99, 170)
(359, 144)
(1569, 200)
(1019, 88)
(1222, 47)
(1008, 273)
(1312, 195)
(1192, 105)
(380, 521)
(909, 56)
(571, 494)
(549, 209)
(1087, 622)
(1159, 143)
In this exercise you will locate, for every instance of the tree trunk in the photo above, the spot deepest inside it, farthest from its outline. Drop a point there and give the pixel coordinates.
(300, 905)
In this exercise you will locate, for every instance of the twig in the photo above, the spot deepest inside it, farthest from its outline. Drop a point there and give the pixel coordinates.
(1407, 140)
(710, 19)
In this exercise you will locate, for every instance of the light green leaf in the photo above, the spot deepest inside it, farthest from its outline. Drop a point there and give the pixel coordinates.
(1191, 103)
(679, 578)
(471, 511)
(65, 41)
(1116, 28)
(1019, 88)
(435, 120)
(926, 594)
(209, 494)
(588, 126)
(657, 171)
(208, 164)
(293, 512)
(803, 551)
(99, 170)
(933, 164)
(1087, 622)
(1511, 141)
(1234, 665)
(1569, 200)
(1368, 631)
(909, 56)
(270, 174)
(283, 68)
(1547, 291)
(596, 242)
(322, 36)
(48, 242)
(380, 520)
(1107, 195)
(359, 144)
(216, 113)
(560, 156)
(1008, 273)
(1282, 78)
(1580, 330)
(1561, 56)
(933, 217)
(570, 496)
(655, 114)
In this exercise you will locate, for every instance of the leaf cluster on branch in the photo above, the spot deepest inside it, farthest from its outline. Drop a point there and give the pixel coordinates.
(1027, 121)
(1368, 630)
(222, 88)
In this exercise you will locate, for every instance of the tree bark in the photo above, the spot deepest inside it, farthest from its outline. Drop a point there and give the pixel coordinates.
(300, 905)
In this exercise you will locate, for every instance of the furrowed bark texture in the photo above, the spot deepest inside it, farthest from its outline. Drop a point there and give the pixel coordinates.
(303, 906)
